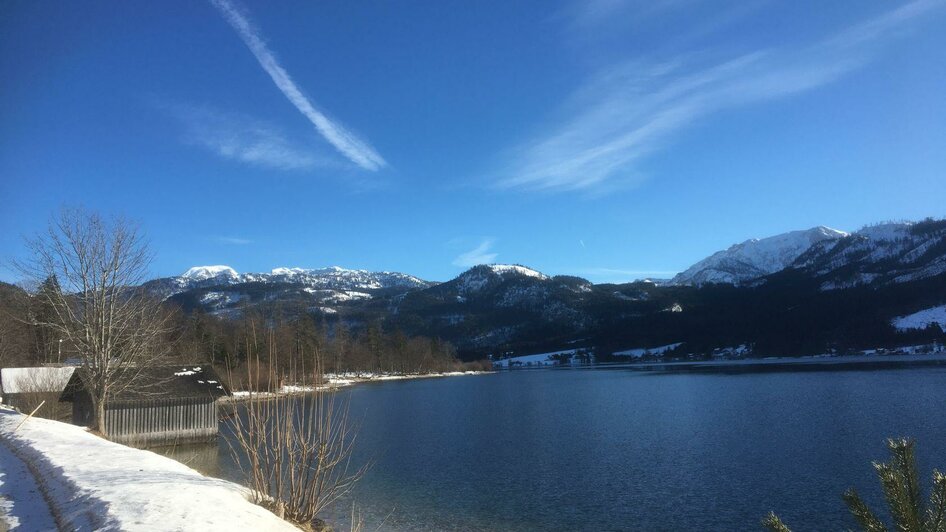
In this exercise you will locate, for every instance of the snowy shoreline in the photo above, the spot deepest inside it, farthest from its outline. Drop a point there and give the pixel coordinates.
(342, 380)
(57, 475)
(85, 482)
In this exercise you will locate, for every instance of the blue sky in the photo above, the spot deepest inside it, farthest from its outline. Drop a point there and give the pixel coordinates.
(604, 138)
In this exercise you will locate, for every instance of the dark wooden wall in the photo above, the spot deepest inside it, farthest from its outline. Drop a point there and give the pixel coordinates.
(165, 421)
(83, 413)
(161, 421)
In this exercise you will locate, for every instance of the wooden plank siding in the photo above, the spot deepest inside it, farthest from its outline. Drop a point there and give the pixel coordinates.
(165, 405)
(162, 421)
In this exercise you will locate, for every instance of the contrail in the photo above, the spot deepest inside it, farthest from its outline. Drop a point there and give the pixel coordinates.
(358, 151)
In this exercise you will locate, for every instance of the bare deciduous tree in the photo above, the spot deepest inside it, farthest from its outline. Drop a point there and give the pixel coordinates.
(98, 309)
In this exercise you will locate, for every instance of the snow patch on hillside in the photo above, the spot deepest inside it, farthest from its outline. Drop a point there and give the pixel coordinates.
(219, 299)
(504, 269)
(887, 231)
(348, 295)
(921, 319)
(883, 254)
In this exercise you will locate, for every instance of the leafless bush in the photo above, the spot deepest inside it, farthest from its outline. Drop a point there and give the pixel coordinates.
(477, 365)
(41, 387)
(295, 451)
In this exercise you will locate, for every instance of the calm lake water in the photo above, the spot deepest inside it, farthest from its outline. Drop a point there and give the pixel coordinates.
(617, 448)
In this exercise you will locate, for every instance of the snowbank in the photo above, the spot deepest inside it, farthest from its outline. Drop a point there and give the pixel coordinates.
(94, 484)
(339, 380)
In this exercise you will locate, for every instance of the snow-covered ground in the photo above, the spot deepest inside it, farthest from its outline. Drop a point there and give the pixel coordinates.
(88, 483)
(339, 380)
(22, 506)
(921, 319)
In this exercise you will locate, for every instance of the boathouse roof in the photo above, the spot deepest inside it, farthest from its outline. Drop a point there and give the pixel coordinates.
(197, 381)
(34, 380)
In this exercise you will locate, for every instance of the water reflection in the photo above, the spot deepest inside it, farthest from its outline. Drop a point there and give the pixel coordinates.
(209, 459)
(618, 448)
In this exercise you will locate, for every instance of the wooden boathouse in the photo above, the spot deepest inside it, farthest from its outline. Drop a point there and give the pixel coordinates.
(163, 405)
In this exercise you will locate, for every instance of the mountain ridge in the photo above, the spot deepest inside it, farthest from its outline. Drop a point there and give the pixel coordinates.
(836, 290)
(740, 263)
(755, 258)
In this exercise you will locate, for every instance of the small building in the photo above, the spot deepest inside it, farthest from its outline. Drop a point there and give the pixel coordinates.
(163, 405)
(27, 388)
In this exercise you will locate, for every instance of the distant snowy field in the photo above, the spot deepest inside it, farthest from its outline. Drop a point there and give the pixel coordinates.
(540, 359)
(921, 319)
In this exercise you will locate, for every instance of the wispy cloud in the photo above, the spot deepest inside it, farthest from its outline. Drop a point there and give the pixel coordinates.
(631, 110)
(481, 254)
(594, 13)
(234, 240)
(242, 138)
(346, 142)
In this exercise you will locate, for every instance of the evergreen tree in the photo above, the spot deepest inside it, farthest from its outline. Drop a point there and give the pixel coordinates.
(42, 313)
(901, 485)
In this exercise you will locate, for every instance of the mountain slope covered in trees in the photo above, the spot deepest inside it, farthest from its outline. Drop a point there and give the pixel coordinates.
(804, 292)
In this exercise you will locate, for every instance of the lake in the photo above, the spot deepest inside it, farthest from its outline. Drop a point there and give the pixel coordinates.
(617, 448)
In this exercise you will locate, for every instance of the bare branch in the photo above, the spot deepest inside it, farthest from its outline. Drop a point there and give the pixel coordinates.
(89, 270)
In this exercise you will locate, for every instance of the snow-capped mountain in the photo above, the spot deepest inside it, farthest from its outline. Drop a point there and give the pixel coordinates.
(477, 278)
(892, 252)
(499, 300)
(795, 282)
(878, 255)
(337, 278)
(193, 278)
(504, 270)
(332, 284)
(203, 273)
(757, 258)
